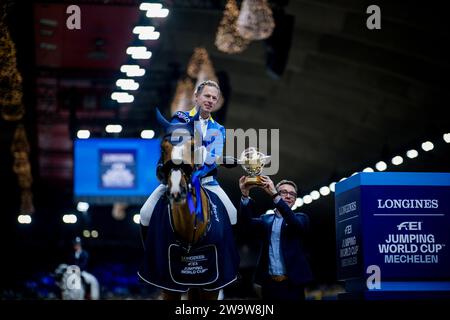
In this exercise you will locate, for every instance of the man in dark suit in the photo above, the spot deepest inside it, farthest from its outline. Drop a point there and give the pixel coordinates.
(283, 268)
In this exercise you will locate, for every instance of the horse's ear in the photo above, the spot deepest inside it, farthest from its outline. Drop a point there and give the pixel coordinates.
(168, 127)
(162, 121)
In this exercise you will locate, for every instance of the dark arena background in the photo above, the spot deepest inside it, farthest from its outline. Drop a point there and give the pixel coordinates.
(344, 95)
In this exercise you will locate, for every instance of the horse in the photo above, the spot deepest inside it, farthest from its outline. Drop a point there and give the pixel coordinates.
(189, 227)
(193, 216)
(76, 284)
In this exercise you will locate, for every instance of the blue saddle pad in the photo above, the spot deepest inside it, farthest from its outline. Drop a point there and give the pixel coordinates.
(165, 263)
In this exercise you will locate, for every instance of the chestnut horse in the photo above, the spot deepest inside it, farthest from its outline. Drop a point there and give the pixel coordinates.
(188, 226)
(189, 246)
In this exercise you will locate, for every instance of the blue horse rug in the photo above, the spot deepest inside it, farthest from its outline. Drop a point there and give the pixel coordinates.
(211, 264)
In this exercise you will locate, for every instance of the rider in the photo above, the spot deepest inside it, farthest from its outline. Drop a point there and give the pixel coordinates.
(80, 258)
(206, 97)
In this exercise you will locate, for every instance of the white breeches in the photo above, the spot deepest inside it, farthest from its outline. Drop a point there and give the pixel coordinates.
(149, 205)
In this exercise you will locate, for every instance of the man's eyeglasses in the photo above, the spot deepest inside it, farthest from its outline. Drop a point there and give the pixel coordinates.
(285, 193)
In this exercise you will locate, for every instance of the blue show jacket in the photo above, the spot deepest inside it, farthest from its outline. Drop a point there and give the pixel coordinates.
(213, 142)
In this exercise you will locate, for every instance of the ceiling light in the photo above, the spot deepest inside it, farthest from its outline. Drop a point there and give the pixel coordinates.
(113, 128)
(83, 134)
(446, 137)
(315, 195)
(162, 13)
(381, 166)
(332, 186)
(147, 134)
(146, 32)
(137, 218)
(139, 52)
(307, 199)
(127, 84)
(69, 218)
(82, 206)
(122, 97)
(324, 191)
(154, 10)
(298, 202)
(397, 160)
(24, 219)
(427, 146)
(145, 6)
(143, 29)
(149, 36)
(132, 70)
(412, 154)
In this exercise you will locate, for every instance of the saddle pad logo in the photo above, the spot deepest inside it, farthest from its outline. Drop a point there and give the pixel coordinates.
(196, 267)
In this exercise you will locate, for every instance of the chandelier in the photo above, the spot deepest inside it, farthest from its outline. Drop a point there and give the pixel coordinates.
(12, 109)
(228, 38)
(255, 21)
(20, 149)
(11, 88)
(182, 100)
(198, 58)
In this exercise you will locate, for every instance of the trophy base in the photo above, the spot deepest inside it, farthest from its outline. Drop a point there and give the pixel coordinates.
(253, 180)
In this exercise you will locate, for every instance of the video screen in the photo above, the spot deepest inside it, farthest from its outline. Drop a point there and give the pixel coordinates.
(115, 170)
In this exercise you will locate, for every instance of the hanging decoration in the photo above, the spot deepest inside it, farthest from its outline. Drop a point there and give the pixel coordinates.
(228, 38)
(20, 149)
(182, 100)
(10, 79)
(12, 109)
(255, 21)
(199, 59)
(119, 210)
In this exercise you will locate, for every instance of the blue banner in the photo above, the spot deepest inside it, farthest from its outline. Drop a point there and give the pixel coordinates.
(400, 228)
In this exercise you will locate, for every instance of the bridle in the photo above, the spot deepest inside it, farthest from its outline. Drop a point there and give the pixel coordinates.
(186, 172)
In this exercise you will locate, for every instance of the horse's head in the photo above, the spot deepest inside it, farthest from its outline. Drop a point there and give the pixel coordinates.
(177, 170)
(180, 158)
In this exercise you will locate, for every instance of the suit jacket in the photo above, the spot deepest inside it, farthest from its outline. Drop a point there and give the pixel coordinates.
(81, 261)
(293, 231)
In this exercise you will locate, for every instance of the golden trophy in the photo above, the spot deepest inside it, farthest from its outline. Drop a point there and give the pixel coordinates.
(253, 162)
